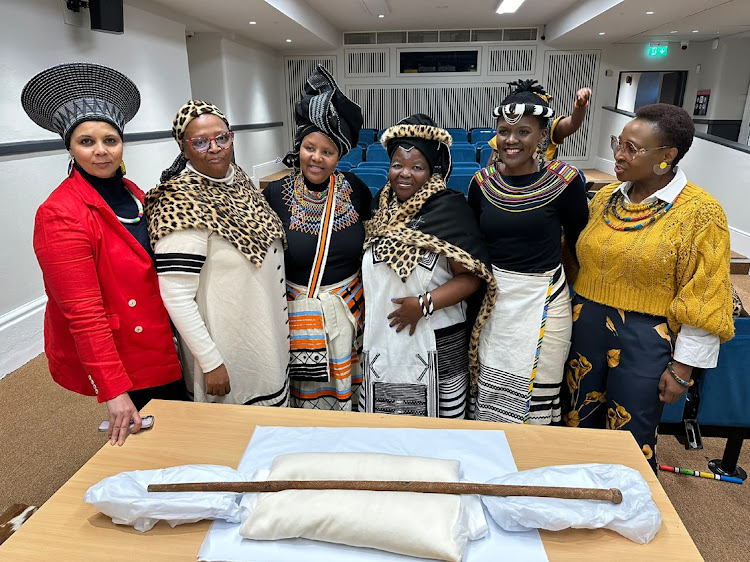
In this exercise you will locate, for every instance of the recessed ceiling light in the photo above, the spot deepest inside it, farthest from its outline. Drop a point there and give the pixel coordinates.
(252, 22)
(695, 31)
(508, 6)
(649, 13)
(288, 40)
(673, 31)
(601, 33)
(381, 15)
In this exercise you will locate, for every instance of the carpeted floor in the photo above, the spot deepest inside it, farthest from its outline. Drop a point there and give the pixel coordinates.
(47, 433)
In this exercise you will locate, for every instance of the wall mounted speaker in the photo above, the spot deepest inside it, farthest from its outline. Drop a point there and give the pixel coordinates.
(107, 16)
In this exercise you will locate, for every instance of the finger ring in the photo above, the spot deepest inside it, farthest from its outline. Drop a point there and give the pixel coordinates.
(116, 427)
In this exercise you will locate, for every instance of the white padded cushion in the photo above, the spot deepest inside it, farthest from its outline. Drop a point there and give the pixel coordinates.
(422, 525)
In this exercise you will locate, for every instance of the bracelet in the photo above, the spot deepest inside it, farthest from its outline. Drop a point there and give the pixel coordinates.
(430, 304)
(425, 310)
(425, 301)
(683, 382)
(579, 106)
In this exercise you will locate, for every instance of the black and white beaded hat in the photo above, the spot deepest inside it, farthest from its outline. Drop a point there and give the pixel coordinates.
(62, 97)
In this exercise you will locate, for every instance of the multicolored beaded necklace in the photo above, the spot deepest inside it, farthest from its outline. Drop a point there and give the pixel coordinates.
(654, 211)
(137, 219)
(516, 199)
(306, 207)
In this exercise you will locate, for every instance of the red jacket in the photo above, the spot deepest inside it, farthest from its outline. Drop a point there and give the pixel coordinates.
(106, 330)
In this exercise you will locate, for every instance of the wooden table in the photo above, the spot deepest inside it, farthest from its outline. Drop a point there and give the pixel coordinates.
(66, 528)
(599, 178)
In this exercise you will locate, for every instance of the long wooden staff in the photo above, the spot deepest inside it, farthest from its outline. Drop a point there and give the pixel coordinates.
(611, 495)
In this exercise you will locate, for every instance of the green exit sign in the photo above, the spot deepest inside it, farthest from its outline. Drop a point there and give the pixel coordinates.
(658, 50)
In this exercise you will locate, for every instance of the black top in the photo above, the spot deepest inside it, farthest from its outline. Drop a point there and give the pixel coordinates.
(529, 241)
(118, 197)
(345, 249)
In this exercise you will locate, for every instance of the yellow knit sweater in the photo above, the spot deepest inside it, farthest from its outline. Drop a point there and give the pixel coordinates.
(678, 266)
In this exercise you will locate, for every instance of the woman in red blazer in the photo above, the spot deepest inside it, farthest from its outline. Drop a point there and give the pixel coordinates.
(106, 330)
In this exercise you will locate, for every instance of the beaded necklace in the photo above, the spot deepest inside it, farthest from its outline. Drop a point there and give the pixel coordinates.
(654, 210)
(514, 199)
(306, 207)
(137, 219)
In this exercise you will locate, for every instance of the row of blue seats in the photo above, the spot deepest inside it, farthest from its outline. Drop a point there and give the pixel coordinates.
(375, 177)
(459, 153)
(473, 136)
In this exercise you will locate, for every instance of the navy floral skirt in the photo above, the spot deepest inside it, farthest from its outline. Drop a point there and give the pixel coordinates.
(613, 370)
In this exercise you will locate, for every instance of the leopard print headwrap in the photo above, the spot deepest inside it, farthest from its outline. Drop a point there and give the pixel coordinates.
(402, 247)
(190, 111)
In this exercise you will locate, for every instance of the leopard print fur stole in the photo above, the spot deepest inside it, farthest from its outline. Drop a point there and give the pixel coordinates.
(237, 212)
(403, 247)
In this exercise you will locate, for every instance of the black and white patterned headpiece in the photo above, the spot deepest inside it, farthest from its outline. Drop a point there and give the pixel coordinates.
(513, 112)
(62, 97)
(325, 109)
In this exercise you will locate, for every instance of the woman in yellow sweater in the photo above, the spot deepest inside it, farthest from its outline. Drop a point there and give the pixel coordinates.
(653, 299)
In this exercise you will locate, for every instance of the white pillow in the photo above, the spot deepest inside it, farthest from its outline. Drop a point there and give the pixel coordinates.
(423, 525)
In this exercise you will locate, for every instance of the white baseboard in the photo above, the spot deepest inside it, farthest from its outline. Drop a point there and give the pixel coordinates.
(739, 241)
(21, 335)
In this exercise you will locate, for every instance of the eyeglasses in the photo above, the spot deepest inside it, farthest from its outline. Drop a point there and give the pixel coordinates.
(629, 148)
(202, 144)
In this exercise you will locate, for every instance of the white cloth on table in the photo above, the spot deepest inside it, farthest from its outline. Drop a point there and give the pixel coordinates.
(424, 525)
(484, 454)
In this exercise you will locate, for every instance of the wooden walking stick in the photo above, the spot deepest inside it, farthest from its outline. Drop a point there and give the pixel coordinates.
(611, 495)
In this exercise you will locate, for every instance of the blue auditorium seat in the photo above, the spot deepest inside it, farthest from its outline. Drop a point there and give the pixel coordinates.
(353, 157)
(719, 402)
(373, 178)
(343, 166)
(460, 180)
(376, 164)
(466, 166)
(484, 155)
(459, 135)
(367, 135)
(477, 136)
(376, 153)
(464, 153)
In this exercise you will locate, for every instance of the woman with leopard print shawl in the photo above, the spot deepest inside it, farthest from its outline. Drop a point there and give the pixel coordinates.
(424, 257)
(219, 249)
(322, 212)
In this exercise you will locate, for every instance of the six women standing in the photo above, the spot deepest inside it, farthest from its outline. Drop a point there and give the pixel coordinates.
(251, 309)
(322, 211)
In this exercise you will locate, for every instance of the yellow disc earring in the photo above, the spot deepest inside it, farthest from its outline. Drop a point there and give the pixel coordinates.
(122, 168)
(662, 168)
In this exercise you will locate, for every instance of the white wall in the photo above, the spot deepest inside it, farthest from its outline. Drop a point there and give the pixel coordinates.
(247, 83)
(152, 53)
(729, 91)
(725, 178)
(627, 92)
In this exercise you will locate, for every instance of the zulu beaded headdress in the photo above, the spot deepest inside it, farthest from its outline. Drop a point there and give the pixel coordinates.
(62, 97)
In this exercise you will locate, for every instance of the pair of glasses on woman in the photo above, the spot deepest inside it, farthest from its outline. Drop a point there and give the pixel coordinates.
(202, 144)
(628, 148)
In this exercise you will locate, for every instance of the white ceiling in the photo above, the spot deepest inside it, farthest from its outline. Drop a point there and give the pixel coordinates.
(317, 25)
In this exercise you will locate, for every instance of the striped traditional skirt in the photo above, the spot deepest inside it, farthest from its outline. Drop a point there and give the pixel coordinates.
(326, 341)
(523, 347)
